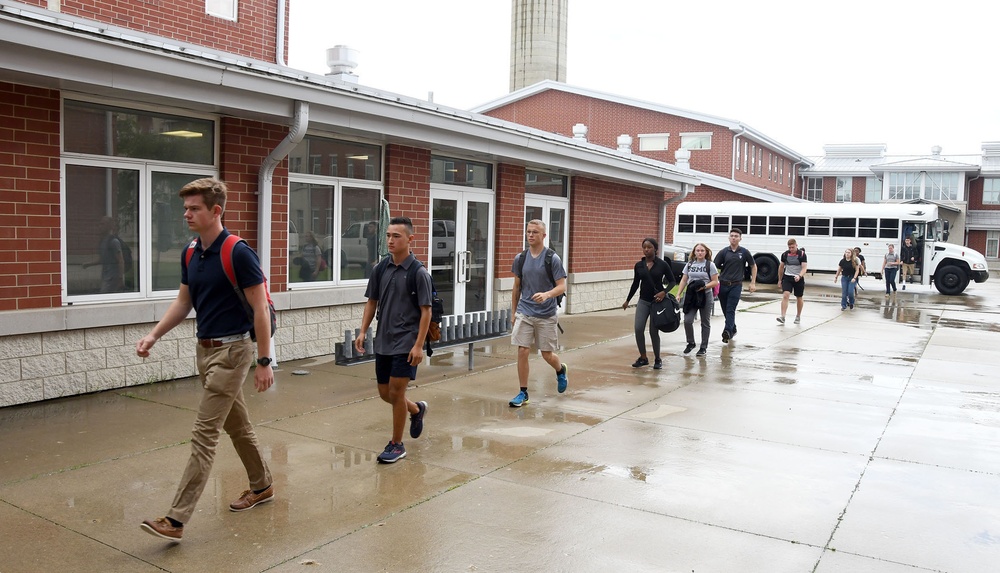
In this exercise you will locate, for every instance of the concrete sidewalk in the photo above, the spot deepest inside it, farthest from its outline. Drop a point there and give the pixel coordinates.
(858, 441)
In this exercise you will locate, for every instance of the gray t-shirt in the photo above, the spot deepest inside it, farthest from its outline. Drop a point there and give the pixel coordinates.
(535, 279)
(891, 259)
(399, 320)
(700, 270)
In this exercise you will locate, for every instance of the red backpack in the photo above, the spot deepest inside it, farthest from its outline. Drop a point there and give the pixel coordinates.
(227, 266)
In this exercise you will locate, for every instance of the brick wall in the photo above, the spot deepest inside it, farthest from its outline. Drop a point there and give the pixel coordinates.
(557, 111)
(609, 223)
(408, 191)
(29, 198)
(252, 34)
(509, 238)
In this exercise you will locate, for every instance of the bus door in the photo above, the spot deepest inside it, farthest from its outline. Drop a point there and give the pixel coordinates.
(918, 231)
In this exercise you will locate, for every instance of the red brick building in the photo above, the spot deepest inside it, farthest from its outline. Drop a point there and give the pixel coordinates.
(107, 108)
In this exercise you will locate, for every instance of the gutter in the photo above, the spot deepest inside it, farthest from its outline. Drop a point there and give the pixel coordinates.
(796, 175)
(265, 181)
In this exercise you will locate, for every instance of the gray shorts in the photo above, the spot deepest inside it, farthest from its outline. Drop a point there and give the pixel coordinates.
(543, 333)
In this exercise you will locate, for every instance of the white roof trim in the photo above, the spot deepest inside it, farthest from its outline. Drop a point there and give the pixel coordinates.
(732, 125)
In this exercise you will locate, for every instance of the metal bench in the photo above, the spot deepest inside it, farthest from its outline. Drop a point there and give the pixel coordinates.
(456, 330)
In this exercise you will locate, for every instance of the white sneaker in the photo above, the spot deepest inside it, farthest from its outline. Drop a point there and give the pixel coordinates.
(797, 319)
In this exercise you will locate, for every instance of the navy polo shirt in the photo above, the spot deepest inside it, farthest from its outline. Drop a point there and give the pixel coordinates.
(219, 311)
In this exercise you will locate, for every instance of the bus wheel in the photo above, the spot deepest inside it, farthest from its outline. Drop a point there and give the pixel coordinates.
(951, 280)
(767, 270)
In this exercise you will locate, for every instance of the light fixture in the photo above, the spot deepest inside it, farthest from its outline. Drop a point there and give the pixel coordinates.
(183, 133)
(361, 157)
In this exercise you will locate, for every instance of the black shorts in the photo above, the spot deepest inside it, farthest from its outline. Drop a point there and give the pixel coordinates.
(393, 366)
(789, 284)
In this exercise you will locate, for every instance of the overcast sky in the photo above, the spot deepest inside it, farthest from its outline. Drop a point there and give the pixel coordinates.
(909, 74)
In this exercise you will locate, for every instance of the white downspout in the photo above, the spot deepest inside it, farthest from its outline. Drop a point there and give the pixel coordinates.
(796, 175)
(265, 181)
(685, 189)
(279, 49)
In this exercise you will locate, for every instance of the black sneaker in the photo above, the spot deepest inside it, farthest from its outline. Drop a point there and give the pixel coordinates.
(417, 420)
(640, 362)
(701, 352)
(657, 364)
(688, 348)
(725, 336)
(392, 454)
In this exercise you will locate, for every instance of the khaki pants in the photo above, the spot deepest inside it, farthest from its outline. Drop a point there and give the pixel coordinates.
(223, 371)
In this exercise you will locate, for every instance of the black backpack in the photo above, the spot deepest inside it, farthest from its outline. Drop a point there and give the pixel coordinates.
(549, 253)
(437, 305)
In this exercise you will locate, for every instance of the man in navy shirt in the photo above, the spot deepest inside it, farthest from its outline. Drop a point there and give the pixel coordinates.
(224, 354)
(402, 330)
(732, 263)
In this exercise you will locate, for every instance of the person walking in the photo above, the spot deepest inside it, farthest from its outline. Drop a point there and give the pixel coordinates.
(534, 307)
(653, 278)
(792, 270)
(399, 342)
(733, 262)
(890, 264)
(224, 355)
(908, 256)
(700, 276)
(848, 270)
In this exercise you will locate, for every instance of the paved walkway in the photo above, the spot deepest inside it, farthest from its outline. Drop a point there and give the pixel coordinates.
(862, 441)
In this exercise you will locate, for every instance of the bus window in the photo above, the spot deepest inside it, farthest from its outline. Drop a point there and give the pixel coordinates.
(819, 227)
(703, 223)
(740, 222)
(776, 226)
(867, 228)
(845, 227)
(758, 225)
(888, 228)
(797, 226)
(685, 224)
(720, 224)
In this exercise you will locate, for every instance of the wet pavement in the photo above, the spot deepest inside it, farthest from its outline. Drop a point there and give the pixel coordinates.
(857, 441)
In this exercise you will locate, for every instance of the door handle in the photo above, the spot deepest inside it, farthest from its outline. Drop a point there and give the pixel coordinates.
(463, 265)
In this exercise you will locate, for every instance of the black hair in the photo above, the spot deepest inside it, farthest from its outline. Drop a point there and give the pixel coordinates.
(736, 230)
(652, 241)
(403, 221)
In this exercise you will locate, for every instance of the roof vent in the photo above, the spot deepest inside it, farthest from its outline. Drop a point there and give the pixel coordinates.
(625, 143)
(936, 151)
(342, 60)
(580, 131)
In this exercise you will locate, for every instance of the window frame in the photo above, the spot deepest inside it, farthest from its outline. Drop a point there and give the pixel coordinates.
(845, 192)
(225, 9)
(654, 141)
(813, 193)
(696, 140)
(991, 186)
(992, 240)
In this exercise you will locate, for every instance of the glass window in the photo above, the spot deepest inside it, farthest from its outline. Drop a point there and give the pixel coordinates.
(102, 130)
(814, 189)
(746, 156)
(797, 226)
(904, 186)
(227, 9)
(758, 225)
(696, 140)
(540, 183)
(685, 223)
(888, 228)
(845, 227)
(819, 227)
(720, 224)
(941, 186)
(737, 154)
(654, 141)
(843, 189)
(336, 158)
(873, 190)
(867, 227)
(461, 172)
(991, 191)
(740, 222)
(703, 224)
(776, 225)
(992, 244)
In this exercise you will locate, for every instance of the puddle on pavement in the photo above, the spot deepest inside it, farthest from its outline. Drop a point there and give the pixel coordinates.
(519, 431)
(661, 411)
(969, 325)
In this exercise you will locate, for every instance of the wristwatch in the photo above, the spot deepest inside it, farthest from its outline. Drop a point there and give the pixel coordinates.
(264, 361)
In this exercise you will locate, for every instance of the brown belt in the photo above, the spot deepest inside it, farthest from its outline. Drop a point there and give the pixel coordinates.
(217, 342)
(727, 283)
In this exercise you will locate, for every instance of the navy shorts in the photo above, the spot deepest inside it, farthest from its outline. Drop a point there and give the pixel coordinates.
(393, 366)
(788, 284)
